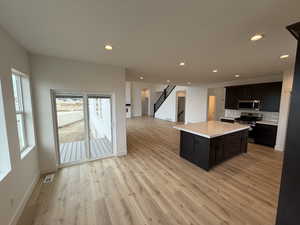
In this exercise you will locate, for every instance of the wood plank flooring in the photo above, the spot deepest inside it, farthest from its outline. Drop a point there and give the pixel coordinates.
(153, 185)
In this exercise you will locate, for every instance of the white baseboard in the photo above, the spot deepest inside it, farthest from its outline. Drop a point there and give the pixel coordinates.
(43, 172)
(121, 154)
(24, 201)
(279, 148)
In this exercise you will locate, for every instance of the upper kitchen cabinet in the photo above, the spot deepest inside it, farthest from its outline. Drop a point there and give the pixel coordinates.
(231, 98)
(267, 93)
(270, 101)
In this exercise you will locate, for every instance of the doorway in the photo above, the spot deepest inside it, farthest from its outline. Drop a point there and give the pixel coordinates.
(83, 127)
(145, 102)
(181, 106)
(212, 107)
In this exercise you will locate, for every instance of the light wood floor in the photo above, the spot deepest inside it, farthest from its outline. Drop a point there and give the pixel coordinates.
(153, 185)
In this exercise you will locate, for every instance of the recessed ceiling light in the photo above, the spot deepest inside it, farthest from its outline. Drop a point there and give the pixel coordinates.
(284, 56)
(189, 83)
(237, 75)
(257, 37)
(142, 78)
(215, 71)
(182, 64)
(168, 81)
(108, 47)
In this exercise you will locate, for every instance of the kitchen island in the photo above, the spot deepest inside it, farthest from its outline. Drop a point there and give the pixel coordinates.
(207, 144)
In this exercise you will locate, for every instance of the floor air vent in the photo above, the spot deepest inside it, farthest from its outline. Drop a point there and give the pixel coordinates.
(48, 179)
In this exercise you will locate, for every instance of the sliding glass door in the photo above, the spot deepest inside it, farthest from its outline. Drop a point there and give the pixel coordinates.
(71, 128)
(100, 129)
(84, 127)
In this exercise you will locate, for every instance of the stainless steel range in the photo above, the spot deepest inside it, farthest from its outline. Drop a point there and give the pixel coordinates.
(250, 119)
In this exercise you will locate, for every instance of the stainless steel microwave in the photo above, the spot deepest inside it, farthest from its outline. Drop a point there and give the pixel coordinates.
(249, 104)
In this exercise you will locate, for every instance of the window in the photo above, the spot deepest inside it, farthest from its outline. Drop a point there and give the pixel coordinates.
(5, 166)
(22, 96)
(17, 87)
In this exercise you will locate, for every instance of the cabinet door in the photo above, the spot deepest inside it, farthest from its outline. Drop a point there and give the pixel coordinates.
(186, 145)
(201, 154)
(232, 145)
(217, 149)
(271, 97)
(231, 100)
(265, 134)
(243, 92)
(254, 92)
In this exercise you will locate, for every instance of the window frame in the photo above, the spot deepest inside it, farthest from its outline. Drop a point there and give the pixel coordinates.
(5, 160)
(21, 109)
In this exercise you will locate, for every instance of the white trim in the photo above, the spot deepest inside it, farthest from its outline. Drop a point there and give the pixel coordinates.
(26, 151)
(279, 148)
(119, 154)
(4, 173)
(24, 201)
(43, 172)
(21, 111)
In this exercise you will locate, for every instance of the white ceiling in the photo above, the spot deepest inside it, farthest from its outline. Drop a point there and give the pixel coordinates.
(150, 37)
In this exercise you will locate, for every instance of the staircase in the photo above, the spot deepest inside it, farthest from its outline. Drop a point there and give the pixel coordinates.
(166, 92)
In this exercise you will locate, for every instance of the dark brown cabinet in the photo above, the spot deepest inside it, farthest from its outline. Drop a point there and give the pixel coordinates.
(267, 93)
(231, 98)
(208, 152)
(265, 134)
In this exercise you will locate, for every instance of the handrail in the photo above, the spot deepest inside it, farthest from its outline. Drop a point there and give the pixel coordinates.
(166, 92)
(179, 114)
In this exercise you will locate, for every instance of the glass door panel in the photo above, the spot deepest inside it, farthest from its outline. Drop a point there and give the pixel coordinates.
(71, 128)
(100, 126)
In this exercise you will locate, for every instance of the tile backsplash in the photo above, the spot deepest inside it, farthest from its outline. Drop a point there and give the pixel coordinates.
(269, 116)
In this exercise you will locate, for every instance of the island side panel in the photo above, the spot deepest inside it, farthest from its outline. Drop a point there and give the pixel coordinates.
(208, 152)
(195, 149)
(228, 146)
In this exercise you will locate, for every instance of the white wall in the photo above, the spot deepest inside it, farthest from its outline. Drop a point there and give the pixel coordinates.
(196, 105)
(195, 109)
(66, 75)
(136, 97)
(16, 187)
(287, 86)
(128, 92)
(167, 111)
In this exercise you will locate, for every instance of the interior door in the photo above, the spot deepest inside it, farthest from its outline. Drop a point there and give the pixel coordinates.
(100, 126)
(71, 128)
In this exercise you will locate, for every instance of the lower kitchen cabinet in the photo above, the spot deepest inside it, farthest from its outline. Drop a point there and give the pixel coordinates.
(265, 134)
(208, 152)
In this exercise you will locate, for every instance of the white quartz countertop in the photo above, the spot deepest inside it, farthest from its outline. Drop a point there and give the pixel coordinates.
(268, 122)
(211, 129)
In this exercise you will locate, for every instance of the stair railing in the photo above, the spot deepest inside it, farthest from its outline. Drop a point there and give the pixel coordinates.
(166, 92)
